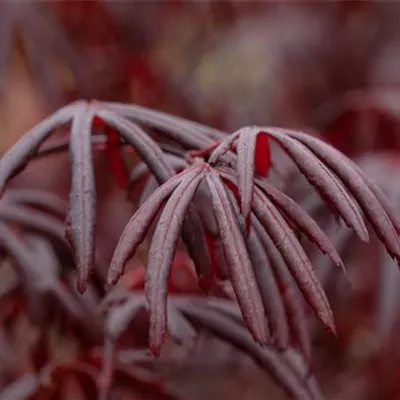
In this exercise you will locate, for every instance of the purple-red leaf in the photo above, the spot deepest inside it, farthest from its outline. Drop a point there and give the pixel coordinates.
(81, 220)
(358, 186)
(302, 221)
(246, 147)
(190, 134)
(162, 250)
(239, 263)
(137, 227)
(296, 259)
(269, 289)
(291, 297)
(26, 147)
(324, 181)
(272, 300)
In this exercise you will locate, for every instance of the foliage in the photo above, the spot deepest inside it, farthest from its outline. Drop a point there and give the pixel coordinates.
(267, 251)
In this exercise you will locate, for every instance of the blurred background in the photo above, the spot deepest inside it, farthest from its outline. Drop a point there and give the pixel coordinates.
(224, 63)
(332, 68)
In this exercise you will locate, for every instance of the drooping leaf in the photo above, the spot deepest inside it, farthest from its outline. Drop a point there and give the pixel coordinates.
(286, 242)
(162, 250)
(324, 180)
(269, 289)
(239, 263)
(385, 203)
(137, 227)
(26, 147)
(81, 219)
(290, 296)
(359, 187)
(272, 300)
(36, 264)
(187, 133)
(193, 230)
(296, 259)
(287, 292)
(302, 220)
(246, 148)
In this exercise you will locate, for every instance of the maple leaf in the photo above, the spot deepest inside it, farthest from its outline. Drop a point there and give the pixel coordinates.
(337, 179)
(82, 205)
(174, 197)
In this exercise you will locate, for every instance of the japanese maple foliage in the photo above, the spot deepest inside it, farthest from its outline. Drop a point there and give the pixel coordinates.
(212, 195)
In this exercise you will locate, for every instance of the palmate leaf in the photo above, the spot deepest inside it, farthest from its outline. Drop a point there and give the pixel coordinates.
(359, 187)
(160, 259)
(273, 210)
(82, 204)
(241, 270)
(335, 177)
